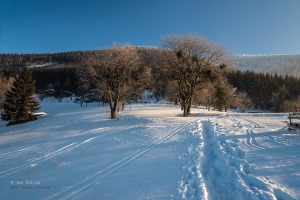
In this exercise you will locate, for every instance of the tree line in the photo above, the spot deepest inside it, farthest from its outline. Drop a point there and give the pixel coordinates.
(261, 88)
(71, 58)
(186, 70)
(66, 58)
(268, 92)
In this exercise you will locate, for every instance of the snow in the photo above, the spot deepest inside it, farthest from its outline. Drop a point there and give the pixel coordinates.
(280, 64)
(149, 152)
(48, 64)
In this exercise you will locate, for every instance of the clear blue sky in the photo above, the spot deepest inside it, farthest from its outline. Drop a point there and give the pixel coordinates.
(243, 26)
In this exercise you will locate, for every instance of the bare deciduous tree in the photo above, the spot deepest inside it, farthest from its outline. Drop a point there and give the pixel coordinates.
(243, 102)
(207, 96)
(291, 105)
(83, 94)
(296, 104)
(172, 93)
(85, 77)
(5, 85)
(118, 73)
(278, 98)
(157, 80)
(191, 62)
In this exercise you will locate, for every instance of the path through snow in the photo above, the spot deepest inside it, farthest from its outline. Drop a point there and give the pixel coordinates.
(217, 168)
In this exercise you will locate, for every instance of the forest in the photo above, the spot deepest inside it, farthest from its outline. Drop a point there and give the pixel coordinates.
(64, 71)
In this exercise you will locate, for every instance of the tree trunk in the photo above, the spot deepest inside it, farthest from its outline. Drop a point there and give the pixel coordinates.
(113, 109)
(188, 109)
(184, 107)
(185, 110)
(189, 106)
(123, 105)
(113, 113)
(136, 98)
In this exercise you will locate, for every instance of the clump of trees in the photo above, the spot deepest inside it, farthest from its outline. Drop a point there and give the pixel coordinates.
(20, 104)
(117, 74)
(282, 101)
(193, 61)
(218, 95)
(243, 102)
(268, 92)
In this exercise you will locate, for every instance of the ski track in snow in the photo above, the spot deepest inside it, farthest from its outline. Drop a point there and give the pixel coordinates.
(217, 168)
(11, 153)
(66, 148)
(251, 142)
(77, 188)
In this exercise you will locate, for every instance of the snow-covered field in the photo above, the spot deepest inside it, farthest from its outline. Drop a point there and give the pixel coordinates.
(150, 152)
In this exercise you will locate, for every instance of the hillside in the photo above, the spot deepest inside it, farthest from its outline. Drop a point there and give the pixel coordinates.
(280, 64)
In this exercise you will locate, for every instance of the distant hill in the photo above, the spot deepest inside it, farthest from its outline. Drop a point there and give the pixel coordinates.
(280, 64)
(71, 58)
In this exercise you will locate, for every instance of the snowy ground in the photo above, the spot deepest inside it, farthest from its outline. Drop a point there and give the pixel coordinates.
(151, 152)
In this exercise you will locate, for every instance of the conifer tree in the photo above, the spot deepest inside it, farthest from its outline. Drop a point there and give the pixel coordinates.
(20, 103)
(223, 95)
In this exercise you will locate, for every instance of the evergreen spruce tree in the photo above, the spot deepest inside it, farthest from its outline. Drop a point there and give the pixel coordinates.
(20, 103)
(222, 96)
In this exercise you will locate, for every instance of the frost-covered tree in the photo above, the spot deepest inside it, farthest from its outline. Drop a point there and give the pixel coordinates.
(207, 96)
(279, 97)
(117, 74)
(243, 102)
(192, 60)
(20, 104)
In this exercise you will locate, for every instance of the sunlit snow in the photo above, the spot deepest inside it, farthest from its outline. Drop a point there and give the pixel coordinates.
(149, 152)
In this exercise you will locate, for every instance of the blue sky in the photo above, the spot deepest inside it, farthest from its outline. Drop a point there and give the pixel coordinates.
(243, 26)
